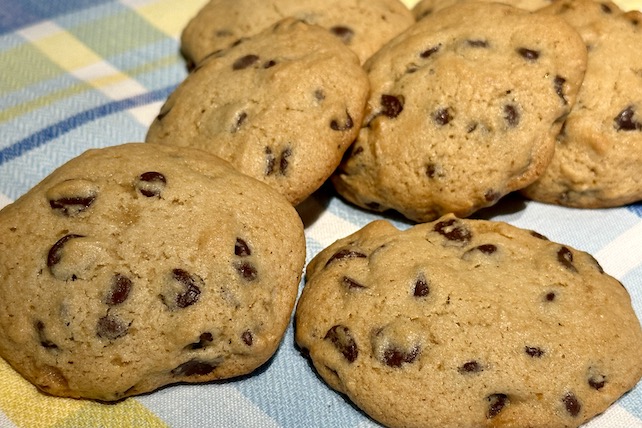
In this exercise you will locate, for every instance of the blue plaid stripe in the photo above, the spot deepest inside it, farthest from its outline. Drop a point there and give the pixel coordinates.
(16, 14)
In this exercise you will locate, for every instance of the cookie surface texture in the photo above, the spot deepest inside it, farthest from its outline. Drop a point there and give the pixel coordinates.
(282, 107)
(363, 25)
(468, 323)
(464, 108)
(136, 266)
(425, 7)
(598, 157)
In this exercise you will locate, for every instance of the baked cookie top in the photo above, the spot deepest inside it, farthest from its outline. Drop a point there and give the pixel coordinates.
(464, 108)
(425, 7)
(598, 157)
(363, 25)
(140, 265)
(281, 106)
(468, 323)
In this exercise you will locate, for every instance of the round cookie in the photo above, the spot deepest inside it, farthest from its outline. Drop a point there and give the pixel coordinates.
(468, 323)
(425, 7)
(282, 106)
(598, 157)
(136, 266)
(464, 108)
(363, 25)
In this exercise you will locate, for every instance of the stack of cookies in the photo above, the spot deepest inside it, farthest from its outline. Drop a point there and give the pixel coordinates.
(180, 259)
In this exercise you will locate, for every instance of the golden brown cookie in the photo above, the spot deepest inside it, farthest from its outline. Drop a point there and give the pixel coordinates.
(468, 323)
(464, 108)
(136, 266)
(425, 7)
(362, 25)
(598, 156)
(282, 106)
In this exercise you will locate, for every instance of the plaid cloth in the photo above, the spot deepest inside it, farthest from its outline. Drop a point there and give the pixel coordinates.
(78, 74)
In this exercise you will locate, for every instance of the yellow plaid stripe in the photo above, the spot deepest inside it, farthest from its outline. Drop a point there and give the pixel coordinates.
(167, 17)
(26, 407)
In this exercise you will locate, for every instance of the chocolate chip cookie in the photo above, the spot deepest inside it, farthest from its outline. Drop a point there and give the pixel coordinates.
(136, 266)
(464, 108)
(282, 106)
(468, 323)
(598, 157)
(426, 7)
(364, 26)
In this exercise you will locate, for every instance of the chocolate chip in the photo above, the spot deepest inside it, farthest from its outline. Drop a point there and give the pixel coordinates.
(558, 83)
(391, 105)
(164, 111)
(470, 367)
(487, 249)
(477, 43)
(572, 404)
(431, 170)
(351, 284)
(534, 351)
(596, 380)
(606, 8)
(453, 230)
(271, 161)
(72, 205)
(285, 162)
(344, 33)
(195, 368)
(538, 235)
(341, 337)
(240, 119)
(624, 120)
(511, 115)
(151, 184)
(71, 197)
(528, 54)
(269, 64)
(345, 254)
(111, 327)
(319, 95)
(55, 253)
(183, 289)
(244, 62)
(442, 116)
(565, 257)
(247, 271)
(421, 288)
(395, 357)
(430, 51)
(550, 296)
(337, 126)
(496, 403)
(247, 337)
(241, 248)
(44, 341)
(203, 340)
(119, 290)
